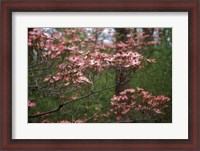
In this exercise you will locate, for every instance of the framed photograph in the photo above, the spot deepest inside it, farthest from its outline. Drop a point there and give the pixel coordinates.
(103, 75)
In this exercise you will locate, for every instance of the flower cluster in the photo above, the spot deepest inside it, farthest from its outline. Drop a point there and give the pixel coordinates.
(127, 59)
(31, 104)
(55, 44)
(66, 121)
(137, 100)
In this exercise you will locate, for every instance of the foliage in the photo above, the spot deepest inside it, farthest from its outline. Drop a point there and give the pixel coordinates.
(72, 76)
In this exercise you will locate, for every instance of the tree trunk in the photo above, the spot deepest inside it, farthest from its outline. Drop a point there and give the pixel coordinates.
(120, 75)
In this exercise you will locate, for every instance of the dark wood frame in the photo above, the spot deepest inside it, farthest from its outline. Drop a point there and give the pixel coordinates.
(9, 6)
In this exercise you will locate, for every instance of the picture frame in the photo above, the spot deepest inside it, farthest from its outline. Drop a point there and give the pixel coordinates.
(10, 6)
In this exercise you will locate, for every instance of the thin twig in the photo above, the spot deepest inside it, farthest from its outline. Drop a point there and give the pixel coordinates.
(82, 97)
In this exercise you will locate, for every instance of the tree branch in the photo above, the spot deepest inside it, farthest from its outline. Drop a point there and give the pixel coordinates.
(82, 97)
